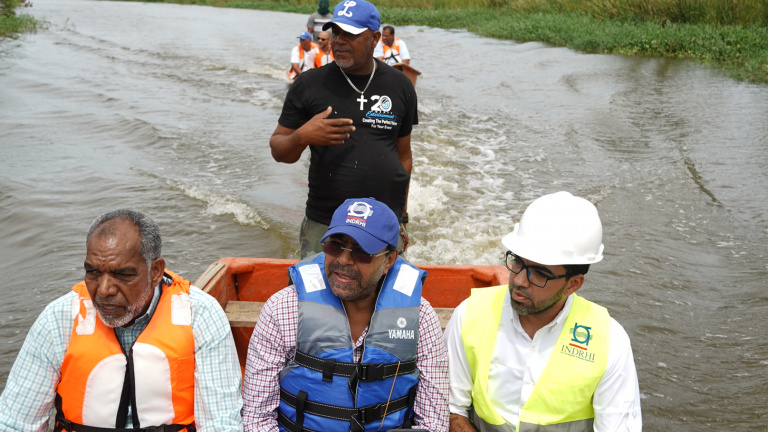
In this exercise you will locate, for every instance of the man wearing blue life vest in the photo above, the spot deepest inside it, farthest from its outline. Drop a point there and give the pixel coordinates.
(350, 345)
(532, 355)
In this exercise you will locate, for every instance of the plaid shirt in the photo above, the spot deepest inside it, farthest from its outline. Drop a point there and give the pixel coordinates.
(28, 399)
(273, 344)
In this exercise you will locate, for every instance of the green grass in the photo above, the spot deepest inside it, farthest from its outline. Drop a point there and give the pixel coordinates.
(12, 24)
(732, 34)
(741, 50)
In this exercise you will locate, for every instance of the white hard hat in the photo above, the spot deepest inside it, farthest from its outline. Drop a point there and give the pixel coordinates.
(558, 229)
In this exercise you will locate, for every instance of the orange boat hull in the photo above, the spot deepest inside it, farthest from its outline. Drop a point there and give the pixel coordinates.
(408, 70)
(241, 285)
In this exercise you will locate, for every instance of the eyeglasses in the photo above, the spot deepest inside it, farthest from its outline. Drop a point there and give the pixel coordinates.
(536, 276)
(322, 39)
(335, 249)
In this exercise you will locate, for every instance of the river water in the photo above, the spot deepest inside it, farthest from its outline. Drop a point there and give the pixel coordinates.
(168, 109)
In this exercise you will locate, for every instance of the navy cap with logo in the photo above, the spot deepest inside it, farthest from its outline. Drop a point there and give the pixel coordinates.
(355, 16)
(369, 222)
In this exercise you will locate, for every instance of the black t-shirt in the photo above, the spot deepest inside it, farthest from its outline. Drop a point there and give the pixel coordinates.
(367, 164)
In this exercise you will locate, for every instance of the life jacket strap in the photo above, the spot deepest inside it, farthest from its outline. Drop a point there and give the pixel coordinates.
(362, 415)
(290, 426)
(68, 426)
(62, 424)
(410, 414)
(365, 372)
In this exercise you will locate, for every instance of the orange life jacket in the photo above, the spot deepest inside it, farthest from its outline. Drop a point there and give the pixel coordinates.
(302, 64)
(158, 373)
(392, 52)
(322, 59)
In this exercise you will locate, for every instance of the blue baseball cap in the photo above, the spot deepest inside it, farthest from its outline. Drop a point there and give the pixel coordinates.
(355, 16)
(305, 35)
(369, 222)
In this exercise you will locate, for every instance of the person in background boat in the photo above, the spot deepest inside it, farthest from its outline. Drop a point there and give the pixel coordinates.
(325, 54)
(533, 355)
(356, 117)
(391, 49)
(351, 340)
(303, 55)
(318, 19)
(181, 368)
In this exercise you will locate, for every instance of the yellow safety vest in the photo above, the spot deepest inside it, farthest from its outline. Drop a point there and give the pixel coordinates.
(562, 397)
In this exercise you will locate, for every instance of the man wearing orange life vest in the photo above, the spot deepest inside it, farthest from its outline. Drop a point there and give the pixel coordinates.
(303, 55)
(132, 346)
(391, 49)
(325, 54)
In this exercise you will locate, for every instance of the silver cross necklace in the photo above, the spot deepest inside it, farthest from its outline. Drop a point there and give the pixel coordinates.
(362, 98)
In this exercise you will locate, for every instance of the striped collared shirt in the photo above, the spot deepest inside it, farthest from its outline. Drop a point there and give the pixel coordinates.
(27, 402)
(273, 344)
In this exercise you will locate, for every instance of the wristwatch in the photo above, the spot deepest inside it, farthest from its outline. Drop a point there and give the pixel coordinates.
(404, 219)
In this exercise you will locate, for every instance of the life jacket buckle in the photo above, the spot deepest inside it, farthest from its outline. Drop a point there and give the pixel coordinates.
(371, 372)
(63, 425)
(372, 413)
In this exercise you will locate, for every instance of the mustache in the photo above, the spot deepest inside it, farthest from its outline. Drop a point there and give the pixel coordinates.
(517, 288)
(112, 301)
(348, 270)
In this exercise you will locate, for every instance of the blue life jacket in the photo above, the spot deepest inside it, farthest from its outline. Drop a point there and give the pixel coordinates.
(322, 389)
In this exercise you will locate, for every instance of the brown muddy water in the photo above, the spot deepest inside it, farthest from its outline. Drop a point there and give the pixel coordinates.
(168, 109)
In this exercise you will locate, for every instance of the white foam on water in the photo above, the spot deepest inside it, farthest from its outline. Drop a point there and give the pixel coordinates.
(218, 204)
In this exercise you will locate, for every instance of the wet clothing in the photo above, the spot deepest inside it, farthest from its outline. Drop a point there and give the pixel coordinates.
(367, 164)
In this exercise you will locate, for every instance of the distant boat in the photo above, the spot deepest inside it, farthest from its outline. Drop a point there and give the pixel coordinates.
(408, 70)
(242, 285)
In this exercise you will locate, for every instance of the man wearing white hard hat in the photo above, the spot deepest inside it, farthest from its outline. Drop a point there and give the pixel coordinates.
(533, 355)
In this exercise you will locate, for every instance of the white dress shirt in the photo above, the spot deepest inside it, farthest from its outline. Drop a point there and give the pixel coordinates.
(518, 362)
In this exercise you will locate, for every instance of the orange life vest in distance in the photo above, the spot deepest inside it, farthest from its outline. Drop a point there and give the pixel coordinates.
(302, 64)
(160, 367)
(392, 52)
(322, 59)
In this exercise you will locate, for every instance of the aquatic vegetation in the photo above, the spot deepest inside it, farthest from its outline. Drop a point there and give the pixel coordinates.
(731, 34)
(11, 23)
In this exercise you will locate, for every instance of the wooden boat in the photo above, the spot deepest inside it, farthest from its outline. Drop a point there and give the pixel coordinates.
(408, 70)
(242, 285)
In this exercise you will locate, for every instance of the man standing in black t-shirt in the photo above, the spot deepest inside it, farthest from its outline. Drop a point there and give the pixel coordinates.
(356, 118)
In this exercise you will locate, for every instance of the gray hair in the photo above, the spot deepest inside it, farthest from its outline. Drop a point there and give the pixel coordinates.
(149, 232)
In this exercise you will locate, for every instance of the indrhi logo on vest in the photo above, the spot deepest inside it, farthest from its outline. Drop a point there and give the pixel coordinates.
(579, 343)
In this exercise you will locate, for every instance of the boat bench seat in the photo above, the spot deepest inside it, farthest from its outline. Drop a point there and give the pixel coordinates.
(243, 313)
(246, 313)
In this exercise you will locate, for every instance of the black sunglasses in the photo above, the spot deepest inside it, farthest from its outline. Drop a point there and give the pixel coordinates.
(335, 249)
